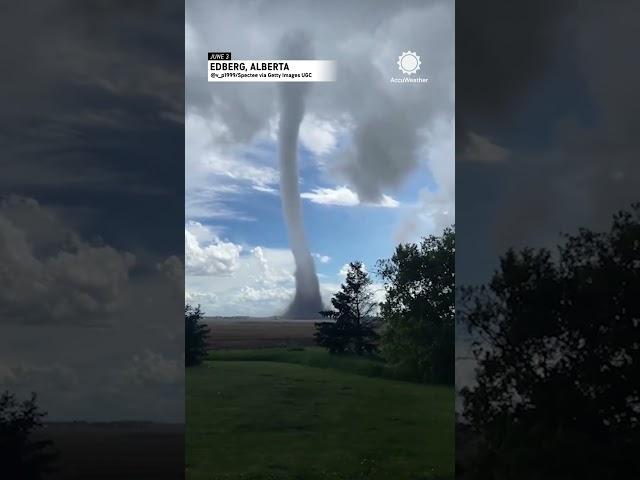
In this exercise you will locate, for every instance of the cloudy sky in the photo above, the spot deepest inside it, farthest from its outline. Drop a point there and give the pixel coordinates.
(547, 138)
(376, 158)
(91, 208)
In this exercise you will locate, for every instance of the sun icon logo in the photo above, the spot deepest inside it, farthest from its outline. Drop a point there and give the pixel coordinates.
(409, 62)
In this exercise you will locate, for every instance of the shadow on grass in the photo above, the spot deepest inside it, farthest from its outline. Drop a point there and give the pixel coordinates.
(366, 365)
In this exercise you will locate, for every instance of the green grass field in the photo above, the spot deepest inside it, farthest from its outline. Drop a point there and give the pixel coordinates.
(305, 414)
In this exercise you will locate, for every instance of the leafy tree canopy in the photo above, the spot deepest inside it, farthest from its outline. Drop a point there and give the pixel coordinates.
(419, 309)
(557, 343)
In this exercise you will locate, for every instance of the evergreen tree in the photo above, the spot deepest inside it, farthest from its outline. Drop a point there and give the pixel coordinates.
(195, 338)
(353, 326)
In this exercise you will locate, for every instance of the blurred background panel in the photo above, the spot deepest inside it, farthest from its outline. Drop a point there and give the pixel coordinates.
(546, 159)
(91, 245)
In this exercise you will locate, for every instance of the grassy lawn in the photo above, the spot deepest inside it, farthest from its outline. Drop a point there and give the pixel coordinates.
(311, 357)
(274, 414)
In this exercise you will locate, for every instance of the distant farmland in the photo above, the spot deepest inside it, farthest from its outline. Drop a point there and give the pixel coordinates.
(253, 332)
(114, 451)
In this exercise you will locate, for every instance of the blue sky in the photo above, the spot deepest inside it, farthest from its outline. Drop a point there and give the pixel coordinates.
(343, 233)
(376, 158)
(242, 211)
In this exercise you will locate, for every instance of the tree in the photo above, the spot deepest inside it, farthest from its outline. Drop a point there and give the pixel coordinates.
(195, 338)
(21, 456)
(353, 326)
(556, 341)
(419, 309)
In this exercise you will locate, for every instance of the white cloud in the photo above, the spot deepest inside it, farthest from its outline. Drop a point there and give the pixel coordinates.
(433, 210)
(321, 258)
(265, 294)
(217, 168)
(209, 153)
(341, 196)
(237, 169)
(202, 233)
(261, 284)
(211, 201)
(263, 189)
(343, 270)
(317, 135)
(206, 254)
(388, 202)
(345, 197)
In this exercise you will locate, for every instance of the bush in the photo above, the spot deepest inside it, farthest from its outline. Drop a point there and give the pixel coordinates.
(22, 457)
(419, 309)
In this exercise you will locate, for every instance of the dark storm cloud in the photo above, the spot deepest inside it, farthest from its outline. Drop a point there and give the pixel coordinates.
(50, 275)
(92, 103)
(71, 309)
(505, 47)
(387, 118)
(553, 84)
(92, 188)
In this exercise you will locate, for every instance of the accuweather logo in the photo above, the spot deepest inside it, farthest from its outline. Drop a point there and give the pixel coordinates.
(409, 63)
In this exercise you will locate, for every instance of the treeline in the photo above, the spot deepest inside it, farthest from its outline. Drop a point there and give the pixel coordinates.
(557, 361)
(413, 328)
